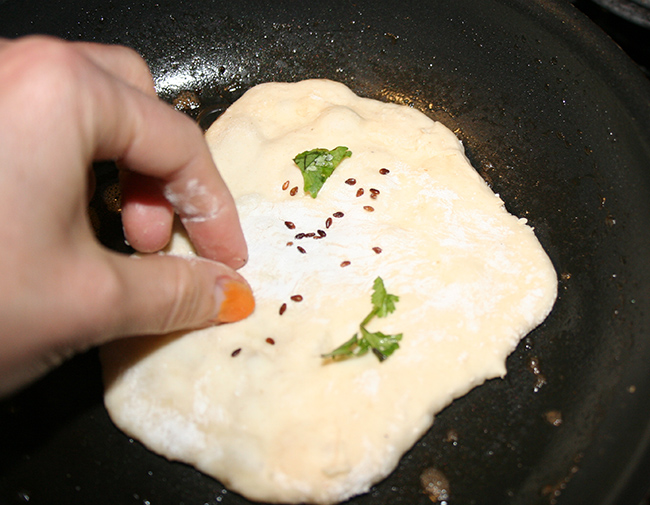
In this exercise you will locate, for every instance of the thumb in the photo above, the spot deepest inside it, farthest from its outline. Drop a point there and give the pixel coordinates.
(118, 297)
(163, 293)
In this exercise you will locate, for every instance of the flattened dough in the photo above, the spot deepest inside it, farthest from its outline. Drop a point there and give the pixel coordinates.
(276, 422)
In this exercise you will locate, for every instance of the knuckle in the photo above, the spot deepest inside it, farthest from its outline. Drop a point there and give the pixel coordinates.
(132, 67)
(90, 302)
(48, 53)
(43, 68)
(137, 61)
(186, 299)
(102, 289)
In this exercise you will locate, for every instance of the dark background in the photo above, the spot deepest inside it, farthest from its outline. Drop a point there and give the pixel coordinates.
(631, 33)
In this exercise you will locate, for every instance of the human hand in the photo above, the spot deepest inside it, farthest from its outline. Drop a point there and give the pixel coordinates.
(65, 105)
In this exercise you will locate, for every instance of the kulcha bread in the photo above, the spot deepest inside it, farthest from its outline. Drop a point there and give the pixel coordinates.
(254, 404)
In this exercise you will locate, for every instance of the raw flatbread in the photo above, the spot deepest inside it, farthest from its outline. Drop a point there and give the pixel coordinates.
(275, 422)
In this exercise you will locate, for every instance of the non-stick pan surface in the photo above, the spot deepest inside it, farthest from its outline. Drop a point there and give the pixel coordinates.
(555, 118)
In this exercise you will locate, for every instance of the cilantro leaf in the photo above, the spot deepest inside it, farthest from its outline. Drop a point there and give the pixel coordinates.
(318, 164)
(382, 302)
(381, 345)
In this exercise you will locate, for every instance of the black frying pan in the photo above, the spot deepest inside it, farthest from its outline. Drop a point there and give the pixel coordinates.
(552, 114)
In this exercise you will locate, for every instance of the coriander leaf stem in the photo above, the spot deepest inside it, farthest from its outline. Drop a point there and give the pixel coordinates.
(381, 345)
(368, 318)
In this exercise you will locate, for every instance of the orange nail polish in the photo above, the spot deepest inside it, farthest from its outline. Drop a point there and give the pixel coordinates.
(238, 302)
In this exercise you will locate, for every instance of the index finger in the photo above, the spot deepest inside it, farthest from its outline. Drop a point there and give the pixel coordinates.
(149, 137)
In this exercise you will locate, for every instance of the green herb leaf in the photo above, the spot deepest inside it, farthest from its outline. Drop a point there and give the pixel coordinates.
(381, 345)
(383, 302)
(318, 164)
